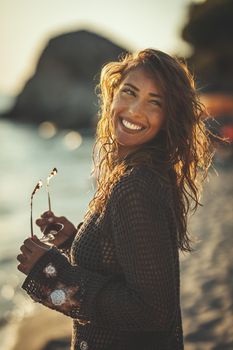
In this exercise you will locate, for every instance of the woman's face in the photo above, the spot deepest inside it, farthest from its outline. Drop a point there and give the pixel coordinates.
(137, 111)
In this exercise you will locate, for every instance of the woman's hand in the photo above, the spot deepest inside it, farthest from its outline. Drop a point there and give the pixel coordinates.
(32, 250)
(68, 231)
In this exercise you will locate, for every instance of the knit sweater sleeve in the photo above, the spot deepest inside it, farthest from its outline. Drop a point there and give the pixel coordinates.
(145, 298)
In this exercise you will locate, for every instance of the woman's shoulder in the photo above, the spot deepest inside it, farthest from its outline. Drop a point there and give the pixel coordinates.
(142, 179)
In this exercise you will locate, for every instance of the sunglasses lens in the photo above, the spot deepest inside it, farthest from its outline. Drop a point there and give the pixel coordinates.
(50, 231)
(52, 228)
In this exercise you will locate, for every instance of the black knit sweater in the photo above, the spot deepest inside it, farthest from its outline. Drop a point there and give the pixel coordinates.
(121, 284)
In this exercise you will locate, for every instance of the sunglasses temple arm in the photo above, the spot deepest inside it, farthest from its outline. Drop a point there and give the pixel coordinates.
(49, 201)
(51, 175)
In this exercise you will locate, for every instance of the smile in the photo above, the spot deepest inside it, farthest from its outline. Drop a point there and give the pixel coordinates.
(131, 126)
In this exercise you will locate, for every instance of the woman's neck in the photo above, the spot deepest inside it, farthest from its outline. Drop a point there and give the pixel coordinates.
(123, 152)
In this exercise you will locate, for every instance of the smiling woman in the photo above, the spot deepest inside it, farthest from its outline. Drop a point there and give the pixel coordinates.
(118, 275)
(137, 111)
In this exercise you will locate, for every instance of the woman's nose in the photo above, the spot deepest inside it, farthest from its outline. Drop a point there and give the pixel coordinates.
(136, 109)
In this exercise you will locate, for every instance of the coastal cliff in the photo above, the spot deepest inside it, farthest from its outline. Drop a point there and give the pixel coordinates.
(62, 89)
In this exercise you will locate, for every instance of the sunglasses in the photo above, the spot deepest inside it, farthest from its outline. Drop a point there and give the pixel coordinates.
(52, 229)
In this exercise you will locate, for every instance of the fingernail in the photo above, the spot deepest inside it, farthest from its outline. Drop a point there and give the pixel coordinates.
(50, 219)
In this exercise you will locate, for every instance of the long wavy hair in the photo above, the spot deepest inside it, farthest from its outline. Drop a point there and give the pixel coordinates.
(181, 149)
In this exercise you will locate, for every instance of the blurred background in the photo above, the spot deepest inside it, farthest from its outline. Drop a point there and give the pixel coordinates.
(51, 56)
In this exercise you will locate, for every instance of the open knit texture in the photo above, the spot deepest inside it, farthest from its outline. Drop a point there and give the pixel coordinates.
(121, 281)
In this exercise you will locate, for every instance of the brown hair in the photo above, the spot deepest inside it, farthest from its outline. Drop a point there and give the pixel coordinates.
(182, 148)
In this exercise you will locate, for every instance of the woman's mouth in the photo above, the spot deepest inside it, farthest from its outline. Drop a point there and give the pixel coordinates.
(131, 126)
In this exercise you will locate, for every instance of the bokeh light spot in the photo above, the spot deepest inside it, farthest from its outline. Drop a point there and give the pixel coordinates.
(7, 292)
(73, 140)
(47, 130)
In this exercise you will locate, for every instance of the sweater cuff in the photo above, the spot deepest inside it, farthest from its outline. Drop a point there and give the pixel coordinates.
(45, 274)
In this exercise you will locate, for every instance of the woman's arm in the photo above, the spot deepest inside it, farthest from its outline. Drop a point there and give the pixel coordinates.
(146, 299)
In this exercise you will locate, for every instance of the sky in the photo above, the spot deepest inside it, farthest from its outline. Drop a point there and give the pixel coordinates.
(27, 25)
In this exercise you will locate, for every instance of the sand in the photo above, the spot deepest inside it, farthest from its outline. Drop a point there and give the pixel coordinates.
(207, 274)
(44, 325)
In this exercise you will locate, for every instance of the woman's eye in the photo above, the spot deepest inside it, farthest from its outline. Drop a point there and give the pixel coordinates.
(128, 91)
(156, 103)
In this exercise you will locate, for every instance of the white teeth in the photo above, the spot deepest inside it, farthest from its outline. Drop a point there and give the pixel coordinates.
(130, 125)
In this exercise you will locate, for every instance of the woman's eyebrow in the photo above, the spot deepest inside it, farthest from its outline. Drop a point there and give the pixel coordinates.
(150, 93)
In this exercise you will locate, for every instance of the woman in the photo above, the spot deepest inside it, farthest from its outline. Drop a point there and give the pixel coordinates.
(118, 275)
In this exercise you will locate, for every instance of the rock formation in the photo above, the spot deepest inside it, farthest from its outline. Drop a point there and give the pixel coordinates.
(62, 90)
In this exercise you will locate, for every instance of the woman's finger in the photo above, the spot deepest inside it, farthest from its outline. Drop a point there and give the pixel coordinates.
(47, 214)
(30, 245)
(25, 250)
(21, 258)
(43, 222)
(22, 268)
(61, 219)
(38, 243)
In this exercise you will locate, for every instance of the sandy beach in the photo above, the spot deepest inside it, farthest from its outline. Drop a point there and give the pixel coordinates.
(35, 332)
(207, 274)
